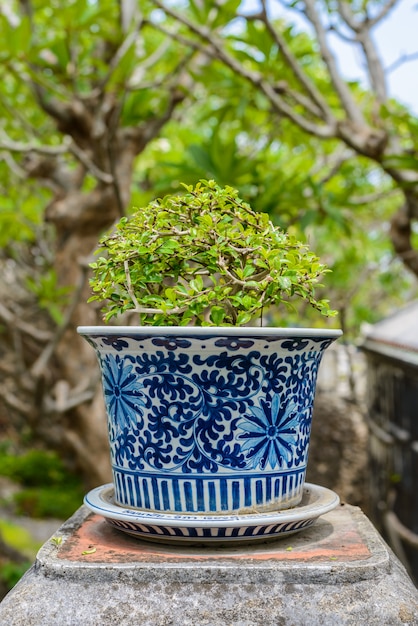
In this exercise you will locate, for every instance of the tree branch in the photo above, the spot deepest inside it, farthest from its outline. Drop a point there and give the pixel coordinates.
(346, 99)
(127, 10)
(374, 197)
(12, 165)
(283, 88)
(401, 233)
(42, 361)
(68, 146)
(67, 399)
(333, 162)
(83, 157)
(16, 146)
(384, 10)
(122, 50)
(216, 50)
(294, 65)
(374, 66)
(16, 403)
(362, 29)
(135, 80)
(405, 58)
(11, 319)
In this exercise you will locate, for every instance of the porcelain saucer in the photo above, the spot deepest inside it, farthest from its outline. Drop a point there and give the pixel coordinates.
(211, 529)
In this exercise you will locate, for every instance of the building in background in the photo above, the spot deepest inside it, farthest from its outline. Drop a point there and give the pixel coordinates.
(391, 349)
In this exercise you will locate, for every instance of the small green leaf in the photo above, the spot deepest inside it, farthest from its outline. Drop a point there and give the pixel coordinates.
(57, 541)
(284, 282)
(248, 271)
(217, 315)
(243, 318)
(196, 283)
(170, 294)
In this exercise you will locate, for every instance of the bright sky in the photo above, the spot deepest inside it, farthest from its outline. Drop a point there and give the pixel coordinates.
(396, 36)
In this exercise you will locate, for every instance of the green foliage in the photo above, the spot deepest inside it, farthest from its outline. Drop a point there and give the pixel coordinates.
(205, 258)
(32, 468)
(49, 295)
(19, 538)
(23, 543)
(227, 131)
(48, 488)
(20, 214)
(58, 501)
(11, 573)
(289, 179)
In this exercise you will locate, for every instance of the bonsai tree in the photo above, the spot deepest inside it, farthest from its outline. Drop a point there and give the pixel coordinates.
(203, 257)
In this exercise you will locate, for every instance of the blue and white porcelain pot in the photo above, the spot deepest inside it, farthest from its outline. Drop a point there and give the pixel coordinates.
(208, 420)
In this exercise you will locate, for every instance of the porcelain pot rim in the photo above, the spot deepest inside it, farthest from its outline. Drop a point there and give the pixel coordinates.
(206, 331)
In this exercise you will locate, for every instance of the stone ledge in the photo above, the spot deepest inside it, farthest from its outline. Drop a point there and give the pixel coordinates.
(342, 543)
(339, 571)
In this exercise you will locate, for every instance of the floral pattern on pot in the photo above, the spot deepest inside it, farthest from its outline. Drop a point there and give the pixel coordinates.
(207, 424)
(271, 434)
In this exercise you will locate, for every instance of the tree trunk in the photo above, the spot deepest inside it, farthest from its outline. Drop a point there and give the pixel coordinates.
(73, 398)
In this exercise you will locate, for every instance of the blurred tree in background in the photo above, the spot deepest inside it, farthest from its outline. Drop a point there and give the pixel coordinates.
(107, 104)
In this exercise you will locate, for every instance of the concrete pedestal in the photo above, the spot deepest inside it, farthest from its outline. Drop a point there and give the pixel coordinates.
(339, 572)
